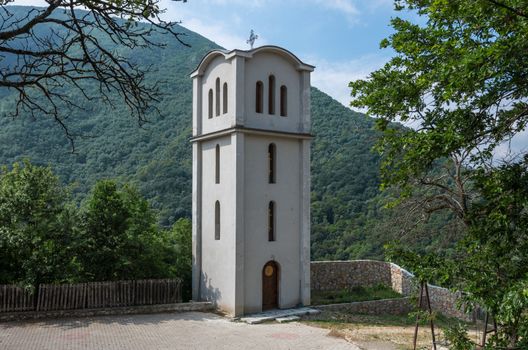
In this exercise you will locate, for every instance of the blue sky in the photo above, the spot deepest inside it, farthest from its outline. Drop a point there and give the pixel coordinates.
(340, 37)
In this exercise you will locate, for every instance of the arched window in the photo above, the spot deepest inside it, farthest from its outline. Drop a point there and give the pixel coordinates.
(210, 103)
(259, 98)
(283, 101)
(271, 94)
(217, 164)
(271, 221)
(272, 163)
(217, 87)
(217, 220)
(224, 95)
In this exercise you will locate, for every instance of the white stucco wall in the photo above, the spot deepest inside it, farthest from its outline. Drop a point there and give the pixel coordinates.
(286, 195)
(241, 76)
(259, 68)
(218, 68)
(218, 259)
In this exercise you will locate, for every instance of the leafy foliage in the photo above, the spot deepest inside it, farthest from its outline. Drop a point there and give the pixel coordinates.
(113, 236)
(176, 251)
(460, 79)
(456, 334)
(37, 233)
(494, 253)
(430, 268)
(119, 235)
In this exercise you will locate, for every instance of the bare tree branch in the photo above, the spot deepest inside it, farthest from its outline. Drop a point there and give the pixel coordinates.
(47, 52)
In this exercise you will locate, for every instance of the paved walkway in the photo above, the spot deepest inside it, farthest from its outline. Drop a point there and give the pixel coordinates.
(191, 330)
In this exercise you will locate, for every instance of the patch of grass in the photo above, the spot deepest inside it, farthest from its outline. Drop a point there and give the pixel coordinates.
(338, 318)
(354, 294)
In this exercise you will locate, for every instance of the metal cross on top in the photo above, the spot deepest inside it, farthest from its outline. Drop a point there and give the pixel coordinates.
(252, 38)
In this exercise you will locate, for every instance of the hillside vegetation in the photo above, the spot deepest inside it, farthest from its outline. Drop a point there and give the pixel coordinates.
(112, 236)
(347, 216)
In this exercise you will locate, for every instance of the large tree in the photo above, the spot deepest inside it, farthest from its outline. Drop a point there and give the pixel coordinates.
(119, 237)
(69, 48)
(46, 239)
(37, 228)
(459, 77)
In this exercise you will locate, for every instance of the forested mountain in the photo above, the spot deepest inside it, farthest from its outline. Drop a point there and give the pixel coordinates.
(157, 156)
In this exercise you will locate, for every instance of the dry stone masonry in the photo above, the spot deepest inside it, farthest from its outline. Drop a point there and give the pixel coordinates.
(399, 306)
(339, 275)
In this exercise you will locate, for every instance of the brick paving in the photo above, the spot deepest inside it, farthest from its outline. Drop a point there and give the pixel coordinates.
(192, 330)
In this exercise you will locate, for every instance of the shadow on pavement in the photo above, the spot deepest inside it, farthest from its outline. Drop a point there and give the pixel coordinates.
(138, 319)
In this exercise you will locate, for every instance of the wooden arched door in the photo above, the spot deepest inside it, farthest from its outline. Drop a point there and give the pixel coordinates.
(270, 286)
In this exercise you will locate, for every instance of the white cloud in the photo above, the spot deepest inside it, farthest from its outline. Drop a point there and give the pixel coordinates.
(333, 77)
(222, 34)
(223, 31)
(217, 32)
(353, 10)
(347, 7)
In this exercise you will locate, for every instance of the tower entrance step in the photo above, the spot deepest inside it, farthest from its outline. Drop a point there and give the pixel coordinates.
(279, 315)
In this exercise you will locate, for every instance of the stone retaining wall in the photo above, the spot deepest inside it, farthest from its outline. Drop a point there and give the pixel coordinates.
(338, 275)
(144, 309)
(402, 281)
(444, 301)
(399, 306)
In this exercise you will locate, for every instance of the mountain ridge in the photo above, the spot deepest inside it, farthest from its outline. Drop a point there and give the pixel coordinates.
(157, 157)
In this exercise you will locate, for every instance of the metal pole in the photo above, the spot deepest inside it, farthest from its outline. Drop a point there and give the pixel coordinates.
(430, 315)
(485, 329)
(418, 315)
(495, 325)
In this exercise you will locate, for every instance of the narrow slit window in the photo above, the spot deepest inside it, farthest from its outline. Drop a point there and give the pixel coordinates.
(259, 98)
(271, 221)
(224, 96)
(210, 103)
(283, 101)
(217, 220)
(217, 97)
(271, 94)
(272, 163)
(217, 164)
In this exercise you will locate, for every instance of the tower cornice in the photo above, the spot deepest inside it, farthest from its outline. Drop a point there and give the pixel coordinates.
(228, 55)
(251, 131)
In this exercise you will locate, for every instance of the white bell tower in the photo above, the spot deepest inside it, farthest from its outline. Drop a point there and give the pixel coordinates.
(251, 180)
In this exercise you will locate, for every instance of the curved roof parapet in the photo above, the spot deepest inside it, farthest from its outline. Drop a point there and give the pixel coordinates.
(300, 65)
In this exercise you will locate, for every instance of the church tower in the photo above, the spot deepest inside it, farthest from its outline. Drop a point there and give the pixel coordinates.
(251, 180)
